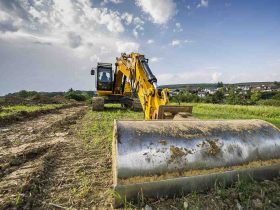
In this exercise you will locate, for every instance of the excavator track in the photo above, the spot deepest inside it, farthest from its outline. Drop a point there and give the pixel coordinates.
(97, 104)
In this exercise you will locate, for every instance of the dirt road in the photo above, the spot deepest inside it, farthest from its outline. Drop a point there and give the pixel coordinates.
(39, 162)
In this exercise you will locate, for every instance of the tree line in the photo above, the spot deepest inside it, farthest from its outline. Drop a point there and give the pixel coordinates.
(230, 96)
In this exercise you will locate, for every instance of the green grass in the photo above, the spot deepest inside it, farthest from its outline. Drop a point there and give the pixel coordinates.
(95, 131)
(13, 110)
(216, 111)
(245, 193)
(98, 126)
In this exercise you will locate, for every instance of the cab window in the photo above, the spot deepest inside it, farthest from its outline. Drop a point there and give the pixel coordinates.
(104, 78)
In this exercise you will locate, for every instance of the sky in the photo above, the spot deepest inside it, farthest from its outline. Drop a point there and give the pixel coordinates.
(51, 45)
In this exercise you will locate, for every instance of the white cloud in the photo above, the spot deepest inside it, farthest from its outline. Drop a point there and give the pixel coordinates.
(127, 17)
(116, 1)
(194, 76)
(160, 11)
(95, 59)
(249, 77)
(178, 27)
(31, 38)
(104, 2)
(74, 25)
(187, 41)
(175, 42)
(178, 42)
(216, 77)
(111, 19)
(203, 3)
(62, 40)
(212, 74)
(75, 40)
(138, 29)
(154, 59)
(150, 41)
(138, 22)
(127, 47)
(8, 22)
(135, 33)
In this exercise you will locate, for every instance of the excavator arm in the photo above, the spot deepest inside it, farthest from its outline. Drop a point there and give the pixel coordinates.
(135, 69)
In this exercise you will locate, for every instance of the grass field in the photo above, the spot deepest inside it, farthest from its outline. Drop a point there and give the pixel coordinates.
(98, 126)
(96, 129)
(13, 110)
(214, 111)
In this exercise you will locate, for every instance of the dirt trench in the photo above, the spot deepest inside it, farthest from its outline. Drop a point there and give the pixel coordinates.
(40, 160)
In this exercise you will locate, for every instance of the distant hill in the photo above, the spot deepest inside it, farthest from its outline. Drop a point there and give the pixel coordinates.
(214, 85)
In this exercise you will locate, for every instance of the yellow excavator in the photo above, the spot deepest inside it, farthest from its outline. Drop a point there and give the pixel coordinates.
(112, 90)
(171, 153)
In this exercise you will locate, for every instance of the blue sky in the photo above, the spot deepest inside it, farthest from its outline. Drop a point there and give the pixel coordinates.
(50, 45)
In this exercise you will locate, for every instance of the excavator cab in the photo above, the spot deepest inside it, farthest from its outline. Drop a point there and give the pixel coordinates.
(104, 79)
(108, 93)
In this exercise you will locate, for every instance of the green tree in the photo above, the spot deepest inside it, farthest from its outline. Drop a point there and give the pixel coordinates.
(26, 94)
(185, 96)
(256, 96)
(75, 96)
(23, 94)
(232, 97)
(220, 84)
(218, 97)
(277, 84)
(276, 96)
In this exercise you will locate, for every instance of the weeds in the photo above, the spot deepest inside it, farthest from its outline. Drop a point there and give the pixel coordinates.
(85, 185)
(220, 190)
(98, 126)
(13, 110)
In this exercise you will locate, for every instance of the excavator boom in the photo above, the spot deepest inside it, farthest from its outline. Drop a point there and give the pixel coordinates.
(135, 69)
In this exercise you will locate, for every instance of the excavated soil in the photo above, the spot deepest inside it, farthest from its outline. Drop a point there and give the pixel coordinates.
(39, 159)
(25, 116)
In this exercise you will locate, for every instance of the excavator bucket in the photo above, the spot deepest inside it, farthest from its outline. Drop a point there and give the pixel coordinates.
(171, 112)
(165, 158)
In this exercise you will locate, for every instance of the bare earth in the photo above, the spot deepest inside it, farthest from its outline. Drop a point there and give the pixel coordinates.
(41, 162)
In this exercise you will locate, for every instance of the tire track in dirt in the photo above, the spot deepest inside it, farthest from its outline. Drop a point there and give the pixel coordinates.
(80, 179)
(24, 116)
(27, 154)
